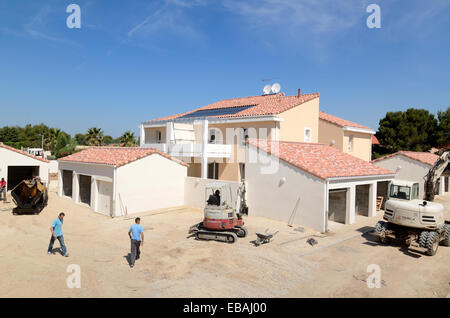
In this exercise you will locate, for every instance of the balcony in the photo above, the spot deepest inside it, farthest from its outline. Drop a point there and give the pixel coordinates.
(194, 150)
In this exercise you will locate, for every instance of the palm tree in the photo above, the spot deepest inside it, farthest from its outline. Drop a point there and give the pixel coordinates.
(94, 136)
(128, 139)
(52, 137)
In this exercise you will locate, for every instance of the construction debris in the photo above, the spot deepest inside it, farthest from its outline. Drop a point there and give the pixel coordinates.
(300, 229)
(311, 241)
(263, 238)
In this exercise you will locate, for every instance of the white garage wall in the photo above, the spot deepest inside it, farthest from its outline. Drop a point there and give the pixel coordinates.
(97, 172)
(150, 183)
(12, 158)
(411, 170)
(266, 197)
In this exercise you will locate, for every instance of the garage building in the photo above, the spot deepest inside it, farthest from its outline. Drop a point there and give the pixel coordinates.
(16, 165)
(310, 183)
(117, 181)
(413, 166)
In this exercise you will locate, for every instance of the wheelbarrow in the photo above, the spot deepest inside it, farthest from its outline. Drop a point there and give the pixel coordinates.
(263, 238)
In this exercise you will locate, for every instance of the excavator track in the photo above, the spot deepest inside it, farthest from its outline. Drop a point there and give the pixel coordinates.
(228, 237)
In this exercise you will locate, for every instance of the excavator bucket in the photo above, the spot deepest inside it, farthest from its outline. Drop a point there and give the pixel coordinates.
(30, 196)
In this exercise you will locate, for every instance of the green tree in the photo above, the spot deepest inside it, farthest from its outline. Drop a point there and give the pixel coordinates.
(443, 138)
(107, 140)
(94, 136)
(81, 139)
(128, 139)
(414, 129)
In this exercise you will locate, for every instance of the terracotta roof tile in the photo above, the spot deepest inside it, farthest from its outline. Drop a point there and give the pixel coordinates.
(262, 105)
(339, 121)
(424, 157)
(320, 160)
(115, 156)
(375, 140)
(2, 145)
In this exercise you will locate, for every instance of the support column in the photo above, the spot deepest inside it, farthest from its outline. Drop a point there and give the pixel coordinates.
(204, 149)
(60, 183)
(169, 136)
(142, 137)
(372, 200)
(351, 199)
(441, 185)
(75, 188)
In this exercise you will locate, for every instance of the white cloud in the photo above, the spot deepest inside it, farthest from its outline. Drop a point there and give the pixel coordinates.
(170, 16)
(317, 16)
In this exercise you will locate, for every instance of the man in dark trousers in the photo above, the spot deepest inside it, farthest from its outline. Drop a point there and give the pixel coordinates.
(136, 234)
(3, 190)
(57, 233)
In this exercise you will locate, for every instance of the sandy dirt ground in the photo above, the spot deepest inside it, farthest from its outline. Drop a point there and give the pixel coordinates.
(173, 265)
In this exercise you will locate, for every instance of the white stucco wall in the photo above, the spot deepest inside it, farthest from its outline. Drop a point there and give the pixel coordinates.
(150, 183)
(267, 198)
(411, 170)
(12, 158)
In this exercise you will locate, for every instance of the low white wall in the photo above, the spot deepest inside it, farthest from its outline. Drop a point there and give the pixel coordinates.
(53, 166)
(194, 191)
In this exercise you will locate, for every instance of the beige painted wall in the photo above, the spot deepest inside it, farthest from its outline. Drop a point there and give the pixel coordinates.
(11, 158)
(411, 170)
(297, 118)
(194, 193)
(329, 132)
(362, 145)
(267, 198)
(150, 183)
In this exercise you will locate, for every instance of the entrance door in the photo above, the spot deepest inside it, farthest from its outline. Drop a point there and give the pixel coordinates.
(105, 190)
(67, 176)
(337, 205)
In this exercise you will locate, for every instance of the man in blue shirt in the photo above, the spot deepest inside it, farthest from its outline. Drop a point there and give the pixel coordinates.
(136, 234)
(57, 233)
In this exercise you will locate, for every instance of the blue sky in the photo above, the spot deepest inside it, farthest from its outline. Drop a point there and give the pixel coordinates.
(132, 61)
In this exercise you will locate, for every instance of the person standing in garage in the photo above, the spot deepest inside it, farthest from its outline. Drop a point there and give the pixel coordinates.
(136, 234)
(57, 233)
(3, 190)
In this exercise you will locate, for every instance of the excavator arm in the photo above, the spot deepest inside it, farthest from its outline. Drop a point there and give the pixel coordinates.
(433, 175)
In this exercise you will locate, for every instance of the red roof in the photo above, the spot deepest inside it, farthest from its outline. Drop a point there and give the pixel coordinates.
(424, 157)
(339, 121)
(2, 145)
(115, 156)
(262, 105)
(375, 140)
(320, 160)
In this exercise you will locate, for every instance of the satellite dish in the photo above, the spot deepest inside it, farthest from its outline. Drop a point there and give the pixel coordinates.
(267, 89)
(276, 88)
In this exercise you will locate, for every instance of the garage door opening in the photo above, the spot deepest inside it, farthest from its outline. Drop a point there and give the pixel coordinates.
(337, 205)
(362, 200)
(382, 191)
(67, 182)
(17, 174)
(85, 189)
(104, 199)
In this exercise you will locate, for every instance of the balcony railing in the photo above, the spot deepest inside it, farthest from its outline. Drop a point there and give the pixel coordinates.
(194, 150)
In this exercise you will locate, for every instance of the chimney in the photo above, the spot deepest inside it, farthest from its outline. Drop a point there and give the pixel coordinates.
(299, 93)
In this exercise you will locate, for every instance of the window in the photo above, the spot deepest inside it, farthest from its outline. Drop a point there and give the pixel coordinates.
(212, 136)
(244, 135)
(308, 132)
(415, 191)
(213, 170)
(158, 136)
(350, 143)
(400, 192)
